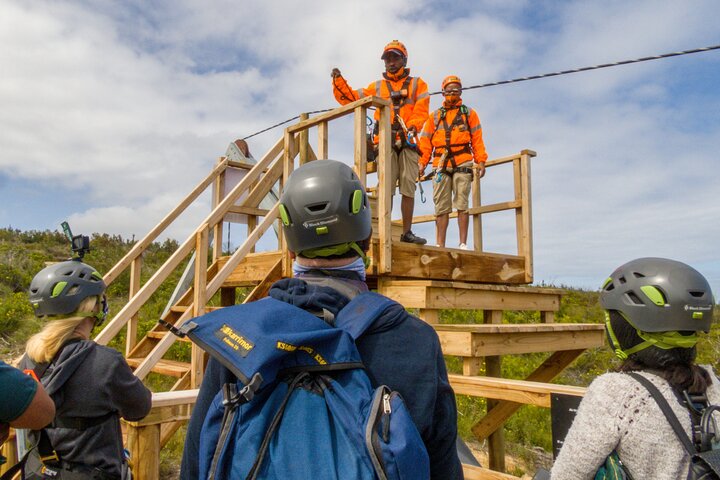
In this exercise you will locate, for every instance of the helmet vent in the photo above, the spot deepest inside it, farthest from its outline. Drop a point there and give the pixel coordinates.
(622, 280)
(73, 290)
(638, 275)
(697, 294)
(318, 207)
(634, 298)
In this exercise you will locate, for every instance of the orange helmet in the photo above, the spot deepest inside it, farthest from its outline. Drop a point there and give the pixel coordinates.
(394, 46)
(451, 79)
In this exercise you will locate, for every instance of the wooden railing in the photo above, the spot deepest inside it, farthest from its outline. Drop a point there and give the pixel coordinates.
(521, 203)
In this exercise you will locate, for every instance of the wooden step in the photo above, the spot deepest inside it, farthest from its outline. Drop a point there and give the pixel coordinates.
(183, 308)
(158, 335)
(511, 339)
(172, 368)
(436, 294)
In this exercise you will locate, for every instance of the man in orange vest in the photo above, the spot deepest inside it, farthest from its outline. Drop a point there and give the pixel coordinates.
(452, 136)
(411, 104)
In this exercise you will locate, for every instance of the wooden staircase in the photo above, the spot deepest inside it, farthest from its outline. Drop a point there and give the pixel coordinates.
(425, 278)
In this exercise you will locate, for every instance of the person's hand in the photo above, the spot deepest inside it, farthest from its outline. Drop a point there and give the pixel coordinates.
(421, 172)
(480, 170)
(335, 73)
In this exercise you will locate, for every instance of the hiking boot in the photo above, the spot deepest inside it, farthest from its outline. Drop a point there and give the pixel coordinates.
(410, 237)
(463, 246)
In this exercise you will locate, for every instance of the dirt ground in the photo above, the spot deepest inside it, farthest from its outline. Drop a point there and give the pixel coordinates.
(536, 458)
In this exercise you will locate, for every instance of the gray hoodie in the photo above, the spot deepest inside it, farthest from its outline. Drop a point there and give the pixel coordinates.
(89, 380)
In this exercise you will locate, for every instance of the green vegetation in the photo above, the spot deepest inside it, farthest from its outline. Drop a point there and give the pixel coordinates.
(22, 254)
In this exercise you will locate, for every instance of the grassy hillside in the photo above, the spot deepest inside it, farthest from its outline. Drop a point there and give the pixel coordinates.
(22, 254)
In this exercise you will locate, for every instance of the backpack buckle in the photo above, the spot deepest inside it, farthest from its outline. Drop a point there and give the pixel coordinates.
(248, 391)
(231, 395)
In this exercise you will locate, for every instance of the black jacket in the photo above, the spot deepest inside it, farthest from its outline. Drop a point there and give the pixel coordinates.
(399, 350)
(88, 380)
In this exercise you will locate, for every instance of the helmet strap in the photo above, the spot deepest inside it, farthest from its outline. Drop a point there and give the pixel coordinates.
(663, 340)
(339, 249)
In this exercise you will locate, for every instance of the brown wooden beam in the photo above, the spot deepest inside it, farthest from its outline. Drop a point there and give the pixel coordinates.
(548, 370)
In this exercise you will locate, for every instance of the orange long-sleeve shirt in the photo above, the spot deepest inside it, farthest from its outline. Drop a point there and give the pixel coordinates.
(415, 108)
(433, 142)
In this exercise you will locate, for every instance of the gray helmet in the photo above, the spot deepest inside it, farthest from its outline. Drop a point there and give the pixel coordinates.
(60, 288)
(659, 295)
(324, 204)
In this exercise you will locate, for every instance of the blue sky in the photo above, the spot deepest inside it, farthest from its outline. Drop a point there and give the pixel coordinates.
(113, 111)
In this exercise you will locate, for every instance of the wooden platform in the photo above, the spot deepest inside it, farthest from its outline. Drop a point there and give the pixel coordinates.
(408, 261)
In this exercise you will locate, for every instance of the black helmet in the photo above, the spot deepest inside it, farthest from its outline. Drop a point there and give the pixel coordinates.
(659, 295)
(324, 205)
(60, 288)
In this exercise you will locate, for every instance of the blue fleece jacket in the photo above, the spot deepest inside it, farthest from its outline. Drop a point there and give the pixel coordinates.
(399, 350)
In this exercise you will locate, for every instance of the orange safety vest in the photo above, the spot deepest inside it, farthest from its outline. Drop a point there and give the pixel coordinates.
(455, 130)
(413, 107)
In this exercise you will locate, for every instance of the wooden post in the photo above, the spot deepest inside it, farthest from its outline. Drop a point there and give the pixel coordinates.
(197, 363)
(493, 367)
(227, 296)
(132, 325)
(144, 446)
(288, 167)
(218, 227)
(322, 140)
(527, 247)
(361, 144)
(477, 218)
(430, 316)
(9, 451)
(304, 144)
(385, 192)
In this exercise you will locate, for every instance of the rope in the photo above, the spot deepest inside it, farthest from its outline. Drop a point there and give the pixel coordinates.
(283, 123)
(595, 67)
(533, 77)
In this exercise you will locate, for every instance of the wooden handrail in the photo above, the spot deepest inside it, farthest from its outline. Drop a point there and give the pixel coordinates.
(337, 113)
(133, 306)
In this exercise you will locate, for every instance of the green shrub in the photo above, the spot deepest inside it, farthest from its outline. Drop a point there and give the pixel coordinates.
(13, 310)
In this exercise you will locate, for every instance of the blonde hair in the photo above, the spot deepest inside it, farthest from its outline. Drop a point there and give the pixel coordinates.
(43, 346)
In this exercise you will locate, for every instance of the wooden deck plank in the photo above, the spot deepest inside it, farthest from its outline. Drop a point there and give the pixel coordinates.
(519, 391)
(506, 339)
(457, 297)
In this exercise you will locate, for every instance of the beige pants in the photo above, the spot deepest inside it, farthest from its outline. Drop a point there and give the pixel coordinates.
(404, 168)
(451, 192)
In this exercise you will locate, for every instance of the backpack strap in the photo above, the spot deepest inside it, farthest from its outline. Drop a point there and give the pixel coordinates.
(362, 311)
(667, 410)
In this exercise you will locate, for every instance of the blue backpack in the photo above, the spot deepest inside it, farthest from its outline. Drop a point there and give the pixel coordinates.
(303, 406)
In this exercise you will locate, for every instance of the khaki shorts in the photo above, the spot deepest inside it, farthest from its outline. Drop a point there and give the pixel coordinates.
(405, 169)
(451, 192)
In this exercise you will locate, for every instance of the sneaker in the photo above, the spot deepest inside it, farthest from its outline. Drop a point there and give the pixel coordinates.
(410, 237)
(463, 246)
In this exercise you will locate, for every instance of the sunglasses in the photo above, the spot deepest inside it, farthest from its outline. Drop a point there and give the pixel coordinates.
(454, 91)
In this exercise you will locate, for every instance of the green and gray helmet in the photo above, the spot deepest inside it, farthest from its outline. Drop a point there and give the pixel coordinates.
(60, 288)
(324, 210)
(659, 298)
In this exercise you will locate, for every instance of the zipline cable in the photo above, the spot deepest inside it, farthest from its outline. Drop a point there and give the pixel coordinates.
(533, 77)
(594, 67)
